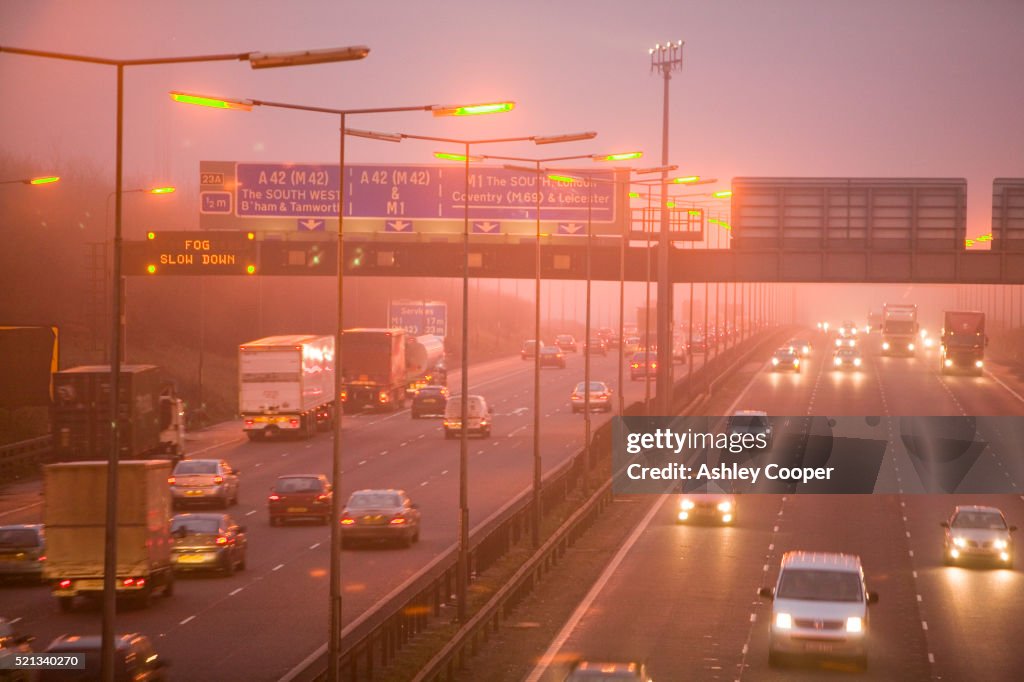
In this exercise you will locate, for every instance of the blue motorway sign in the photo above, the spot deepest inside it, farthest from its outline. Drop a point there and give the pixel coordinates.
(413, 192)
(419, 317)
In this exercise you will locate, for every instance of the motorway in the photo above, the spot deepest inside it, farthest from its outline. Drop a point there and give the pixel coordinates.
(693, 611)
(260, 623)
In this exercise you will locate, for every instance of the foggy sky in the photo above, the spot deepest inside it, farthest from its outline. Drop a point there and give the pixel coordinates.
(929, 88)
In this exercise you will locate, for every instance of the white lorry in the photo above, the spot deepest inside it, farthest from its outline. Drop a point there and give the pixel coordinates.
(286, 385)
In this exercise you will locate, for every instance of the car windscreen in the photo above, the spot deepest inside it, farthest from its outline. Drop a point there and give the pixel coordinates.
(747, 422)
(819, 585)
(373, 500)
(18, 537)
(594, 386)
(979, 520)
(195, 525)
(195, 467)
(305, 484)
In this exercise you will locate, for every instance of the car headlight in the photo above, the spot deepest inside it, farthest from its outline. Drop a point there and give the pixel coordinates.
(806, 350)
(726, 518)
(686, 504)
(856, 362)
(727, 506)
(854, 624)
(775, 361)
(979, 364)
(928, 343)
(796, 363)
(837, 361)
(959, 542)
(839, 342)
(1000, 544)
(910, 346)
(947, 362)
(885, 345)
(783, 621)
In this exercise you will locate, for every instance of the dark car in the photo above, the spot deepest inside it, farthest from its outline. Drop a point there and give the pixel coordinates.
(135, 660)
(643, 364)
(529, 349)
(22, 551)
(429, 401)
(13, 644)
(380, 515)
(596, 347)
(300, 496)
(207, 541)
(566, 342)
(552, 357)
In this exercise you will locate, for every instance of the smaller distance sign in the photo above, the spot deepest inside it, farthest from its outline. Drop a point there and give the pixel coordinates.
(192, 253)
(419, 317)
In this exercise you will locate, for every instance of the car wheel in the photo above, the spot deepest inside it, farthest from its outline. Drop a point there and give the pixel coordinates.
(325, 520)
(66, 604)
(416, 536)
(254, 435)
(448, 434)
(274, 521)
(169, 585)
(405, 541)
(948, 560)
(229, 566)
(241, 564)
(775, 659)
(225, 502)
(485, 434)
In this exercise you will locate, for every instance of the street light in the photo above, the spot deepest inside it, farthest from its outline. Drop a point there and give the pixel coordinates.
(257, 60)
(334, 634)
(43, 180)
(537, 170)
(462, 577)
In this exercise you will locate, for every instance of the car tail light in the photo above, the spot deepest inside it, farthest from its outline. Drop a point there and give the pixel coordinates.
(249, 422)
(635, 365)
(398, 521)
(382, 396)
(64, 584)
(138, 582)
(347, 521)
(42, 558)
(293, 422)
(344, 395)
(654, 365)
(322, 497)
(274, 498)
(221, 540)
(170, 480)
(217, 480)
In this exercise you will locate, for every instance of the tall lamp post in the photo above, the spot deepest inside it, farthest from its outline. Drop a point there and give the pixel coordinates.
(257, 60)
(462, 577)
(537, 171)
(334, 634)
(664, 60)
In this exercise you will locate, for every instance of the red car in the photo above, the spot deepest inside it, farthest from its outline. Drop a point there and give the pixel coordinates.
(300, 496)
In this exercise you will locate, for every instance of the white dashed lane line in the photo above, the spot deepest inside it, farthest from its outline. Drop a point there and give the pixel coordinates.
(314, 545)
(278, 567)
(235, 591)
(186, 620)
(250, 513)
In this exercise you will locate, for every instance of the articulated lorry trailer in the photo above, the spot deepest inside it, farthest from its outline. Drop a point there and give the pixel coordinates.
(75, 513)
(899, 328)
(963, 342)
(286, 385)
(151, 418)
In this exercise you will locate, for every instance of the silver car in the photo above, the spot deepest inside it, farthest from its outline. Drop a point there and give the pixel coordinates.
(22, 551)
(981, 533)
(820, 607)
(204, 481)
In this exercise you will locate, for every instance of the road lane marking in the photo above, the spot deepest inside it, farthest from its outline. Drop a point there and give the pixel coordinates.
(27, 506)
(444, 472)
(250, 513)
(1008, 389)
(362, 462)
(924, 625)
(235, 591)
(278, 567)
(15, 620)
(931, 657)
(918, 598)
(424, 483)
(548, 657)
(314, 545)
(383, 452)
(259, 464)
(186, 620)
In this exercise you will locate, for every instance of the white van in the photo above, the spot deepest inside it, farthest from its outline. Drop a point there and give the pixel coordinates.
(819, 607)
(478, 416)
